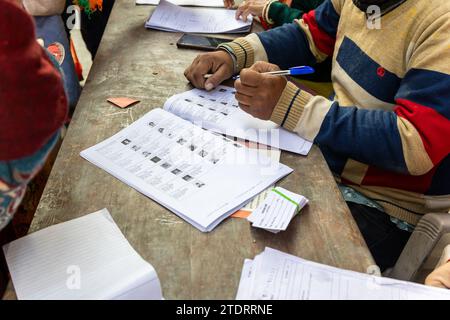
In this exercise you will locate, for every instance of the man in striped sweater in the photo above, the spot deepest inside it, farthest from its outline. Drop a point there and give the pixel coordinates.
(386, 133)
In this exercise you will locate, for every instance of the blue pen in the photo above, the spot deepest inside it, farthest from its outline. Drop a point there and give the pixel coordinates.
(294, 71)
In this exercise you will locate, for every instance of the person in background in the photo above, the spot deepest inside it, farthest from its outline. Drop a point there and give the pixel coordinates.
(384, 133)
(33, 108)
(94, 17)
(272, 12)
(50, 29)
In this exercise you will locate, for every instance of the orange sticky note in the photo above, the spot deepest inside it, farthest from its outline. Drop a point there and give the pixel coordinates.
(242, 214)
(122, 102)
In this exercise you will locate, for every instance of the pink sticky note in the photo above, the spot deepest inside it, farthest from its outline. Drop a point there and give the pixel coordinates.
(122, 102)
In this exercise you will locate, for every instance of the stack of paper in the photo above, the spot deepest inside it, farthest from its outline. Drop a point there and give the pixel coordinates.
(201, 176)
(218, 110)
(85, 258)
(170, 17)
(277, 210)
(274, 275)
(195, 3)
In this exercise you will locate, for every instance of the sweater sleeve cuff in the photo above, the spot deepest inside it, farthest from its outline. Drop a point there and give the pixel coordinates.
(243, 52)
(290, 106)
(266, 13)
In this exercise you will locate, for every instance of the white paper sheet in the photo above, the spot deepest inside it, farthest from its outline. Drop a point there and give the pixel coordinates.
(245, 281)
(274, 275)
(218, 110)
(272, 153)
(195, 3)
(173, 18)
(200, 176)
(276, 212)
(256, 201)
(85, 258)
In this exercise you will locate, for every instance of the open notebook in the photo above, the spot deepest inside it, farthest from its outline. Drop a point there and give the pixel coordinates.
(195, 3)
(275, 275)
(170, 17)
(85, 258)
(201, 176)
(218, 111)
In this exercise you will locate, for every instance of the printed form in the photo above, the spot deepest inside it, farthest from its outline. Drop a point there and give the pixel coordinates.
(218, 110)
(275, 275)
(201, 176)
(170, 17)
(277, 210)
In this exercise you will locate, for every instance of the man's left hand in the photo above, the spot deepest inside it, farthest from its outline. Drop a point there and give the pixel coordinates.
(258, 93)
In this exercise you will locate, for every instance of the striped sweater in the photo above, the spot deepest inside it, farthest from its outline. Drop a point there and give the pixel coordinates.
(386, 133)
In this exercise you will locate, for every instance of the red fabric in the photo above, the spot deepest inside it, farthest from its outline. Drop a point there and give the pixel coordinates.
(264, 24)
(434, 128)
(287, 2)
(323, 41)
(33, 103)
(379, 177)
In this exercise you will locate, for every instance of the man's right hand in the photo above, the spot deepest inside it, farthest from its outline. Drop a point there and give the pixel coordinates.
(218, 63)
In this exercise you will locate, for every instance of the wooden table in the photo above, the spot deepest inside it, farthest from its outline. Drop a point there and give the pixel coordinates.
(147, 65)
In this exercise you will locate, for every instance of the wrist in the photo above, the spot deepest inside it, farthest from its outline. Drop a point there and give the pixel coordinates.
(231, 56)
(242, 51)
(266, 12)
(290, 106)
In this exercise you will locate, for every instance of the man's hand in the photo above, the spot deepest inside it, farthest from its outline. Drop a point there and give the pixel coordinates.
(218, 63)
(228, 4)
(440, 277)
(258, 93)
(250, 7)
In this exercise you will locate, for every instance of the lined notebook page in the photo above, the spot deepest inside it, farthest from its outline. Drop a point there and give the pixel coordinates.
(85, 258)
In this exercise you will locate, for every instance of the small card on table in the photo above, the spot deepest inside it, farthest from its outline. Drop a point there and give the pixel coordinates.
(122, 102)
(277, 210)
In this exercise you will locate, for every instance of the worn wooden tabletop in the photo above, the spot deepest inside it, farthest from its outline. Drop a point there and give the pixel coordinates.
(147, 65)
